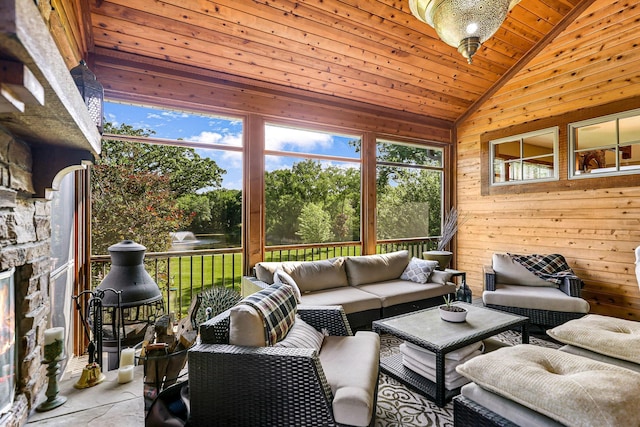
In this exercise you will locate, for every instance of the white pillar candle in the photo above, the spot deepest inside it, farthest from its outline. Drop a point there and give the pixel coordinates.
(53, 334)
(127, 357)
(125, 374)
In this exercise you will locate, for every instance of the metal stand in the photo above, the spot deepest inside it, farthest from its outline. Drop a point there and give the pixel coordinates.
(94, 311)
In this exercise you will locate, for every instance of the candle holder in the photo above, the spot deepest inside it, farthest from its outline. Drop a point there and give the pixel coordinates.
(52, 355)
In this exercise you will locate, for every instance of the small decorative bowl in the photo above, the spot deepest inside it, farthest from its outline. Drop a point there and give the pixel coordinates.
(453, 314)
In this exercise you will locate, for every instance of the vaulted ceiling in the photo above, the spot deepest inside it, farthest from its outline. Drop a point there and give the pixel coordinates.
(371, 51)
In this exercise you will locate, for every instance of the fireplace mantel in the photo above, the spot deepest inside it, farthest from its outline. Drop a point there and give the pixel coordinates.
(61, 124)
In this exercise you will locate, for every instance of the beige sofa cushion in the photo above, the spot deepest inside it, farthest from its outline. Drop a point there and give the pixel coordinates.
(314, 276)
(610, 336)
(518, 414)
(511, 272)
(246, 327)
(392, 292)
(365, 269)
(309, 276)
(265, 270)
(536, 298)
(573, 390)
(350, 364)
(351, 299)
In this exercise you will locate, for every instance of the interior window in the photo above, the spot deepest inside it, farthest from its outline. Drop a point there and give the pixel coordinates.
(525, 158)
(606, 145)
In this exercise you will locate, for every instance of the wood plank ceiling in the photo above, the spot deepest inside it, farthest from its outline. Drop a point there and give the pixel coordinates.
(371, 51)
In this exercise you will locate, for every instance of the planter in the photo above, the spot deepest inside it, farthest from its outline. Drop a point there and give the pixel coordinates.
(443, 258)
(453, 313)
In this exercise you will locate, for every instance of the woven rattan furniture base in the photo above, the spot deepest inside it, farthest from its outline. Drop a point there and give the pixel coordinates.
(424, 328)
(467, 413)
(544, 318)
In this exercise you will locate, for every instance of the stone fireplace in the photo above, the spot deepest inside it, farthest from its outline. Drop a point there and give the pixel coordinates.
(45, 131)
(24, 238)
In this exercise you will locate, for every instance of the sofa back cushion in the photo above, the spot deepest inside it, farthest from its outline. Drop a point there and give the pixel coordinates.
(313, 276)
(263, 318)
(365, 269)
(264, 270)
(510, 272)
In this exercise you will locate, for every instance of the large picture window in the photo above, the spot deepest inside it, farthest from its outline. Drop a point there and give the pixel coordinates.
(606, 145)
(525, 158)
(410, 180)
(312, 186)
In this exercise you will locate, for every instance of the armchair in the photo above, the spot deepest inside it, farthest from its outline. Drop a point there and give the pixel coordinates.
(509, 286)
(242, 385)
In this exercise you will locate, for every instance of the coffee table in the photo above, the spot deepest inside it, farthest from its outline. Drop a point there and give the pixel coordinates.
(425, 329)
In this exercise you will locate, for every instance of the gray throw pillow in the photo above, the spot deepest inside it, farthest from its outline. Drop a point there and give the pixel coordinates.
(418, 270)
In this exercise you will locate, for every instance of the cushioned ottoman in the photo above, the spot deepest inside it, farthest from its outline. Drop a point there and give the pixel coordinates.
(619, 339)
(570, 389)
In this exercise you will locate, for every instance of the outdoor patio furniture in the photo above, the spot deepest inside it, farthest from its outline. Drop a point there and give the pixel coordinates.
(604, 338)
(510, 286)
(271, 385)
(425, 330)
(527, 385)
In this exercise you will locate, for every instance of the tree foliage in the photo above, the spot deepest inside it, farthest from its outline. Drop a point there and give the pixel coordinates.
(287, 191)
(136, 188)
(186, 171)
(315, 224)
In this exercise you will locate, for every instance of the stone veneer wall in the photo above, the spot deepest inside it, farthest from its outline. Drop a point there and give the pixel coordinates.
(25, 244)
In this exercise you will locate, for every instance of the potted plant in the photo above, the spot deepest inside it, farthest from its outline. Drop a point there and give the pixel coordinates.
(449, 229)
(452, 313)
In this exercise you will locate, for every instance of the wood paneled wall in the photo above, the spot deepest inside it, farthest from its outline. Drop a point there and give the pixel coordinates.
(594, 62)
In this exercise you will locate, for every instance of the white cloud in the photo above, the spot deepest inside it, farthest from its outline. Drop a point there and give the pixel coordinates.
(174, 115)
(207, 137)
(277, 138)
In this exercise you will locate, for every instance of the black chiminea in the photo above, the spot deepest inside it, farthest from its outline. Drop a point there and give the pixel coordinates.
(140, 299)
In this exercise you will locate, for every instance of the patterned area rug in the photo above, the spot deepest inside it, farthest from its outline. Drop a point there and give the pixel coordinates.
(398, 406)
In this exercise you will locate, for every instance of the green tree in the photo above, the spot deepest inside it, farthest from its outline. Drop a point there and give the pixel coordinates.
(136, 187)
(197, 206)
(187, 171)
(337, 189)
(132, 205)
(315, 224)
(226, 214)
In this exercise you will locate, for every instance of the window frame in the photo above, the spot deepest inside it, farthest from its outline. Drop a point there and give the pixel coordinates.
(306, 155)
(554, 130)
(442, 169)
(616, 145)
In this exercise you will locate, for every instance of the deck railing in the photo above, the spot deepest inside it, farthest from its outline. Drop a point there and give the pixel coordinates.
(181, 276)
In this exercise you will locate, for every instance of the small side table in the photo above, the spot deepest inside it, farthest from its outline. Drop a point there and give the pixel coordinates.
(464, 292)
(458, 273)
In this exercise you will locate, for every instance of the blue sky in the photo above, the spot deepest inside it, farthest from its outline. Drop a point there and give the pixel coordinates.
(228, 131)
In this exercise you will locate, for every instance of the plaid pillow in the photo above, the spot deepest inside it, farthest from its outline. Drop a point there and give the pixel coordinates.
(277, 305)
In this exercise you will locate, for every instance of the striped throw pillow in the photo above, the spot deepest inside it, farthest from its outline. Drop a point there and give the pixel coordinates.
(302, 335)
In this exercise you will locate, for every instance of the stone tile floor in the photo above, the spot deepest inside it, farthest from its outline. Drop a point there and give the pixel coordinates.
(106, 404)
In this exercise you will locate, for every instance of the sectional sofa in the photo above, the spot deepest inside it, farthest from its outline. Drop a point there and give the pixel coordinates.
(368, 287)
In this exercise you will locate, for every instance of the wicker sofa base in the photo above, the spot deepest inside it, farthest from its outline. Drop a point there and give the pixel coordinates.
(545, 318)
(467, 413)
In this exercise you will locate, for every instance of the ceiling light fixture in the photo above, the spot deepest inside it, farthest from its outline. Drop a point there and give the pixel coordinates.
(464, 24)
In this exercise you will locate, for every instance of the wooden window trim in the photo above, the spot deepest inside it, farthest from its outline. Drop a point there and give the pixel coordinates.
(563, 183)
